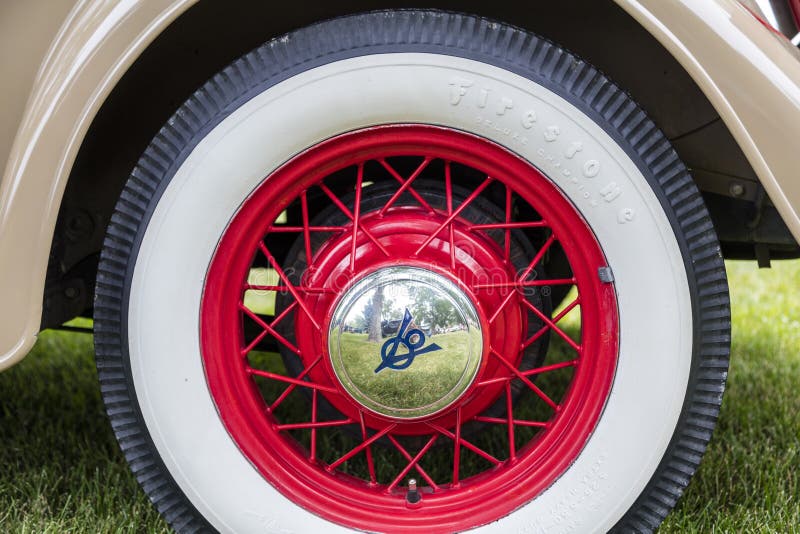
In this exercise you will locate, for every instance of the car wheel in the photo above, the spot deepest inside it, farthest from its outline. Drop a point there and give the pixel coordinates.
(324, 297)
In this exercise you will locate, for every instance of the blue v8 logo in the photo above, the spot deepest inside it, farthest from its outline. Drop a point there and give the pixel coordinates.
(413, 340)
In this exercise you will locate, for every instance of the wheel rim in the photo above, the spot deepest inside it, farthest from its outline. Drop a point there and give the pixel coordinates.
(407, 232)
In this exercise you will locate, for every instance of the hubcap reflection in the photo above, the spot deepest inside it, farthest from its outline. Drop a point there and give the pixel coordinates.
(405, 342)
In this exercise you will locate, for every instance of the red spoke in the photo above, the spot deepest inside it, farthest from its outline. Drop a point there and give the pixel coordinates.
(539, 255)
(502, 306)
(529, 283)
(297, 229)
(457, 450)
(370, 462)
(356, 215)
(507, 226)
(512, 450)
(257, 287)
(289, 286)
(350, 216)
(531, 340)
(306, 227)
(267, 328)
(281, 316)
(289, 380)
(552, 325)
(335, 200)
(405, 185)
(545, 328)
(567, 309)
(291, 387)
(474, 448)
(412, 463)
(548, 368)
(314, 425)
(264, 332)
(456, 213)
(314, 422)
(304, 289)
(525, 380)
(524, 275)
(495, 380)
(448, 185)
(361, 447)
(253, 344)
(529, 372)
(508, 221)
(517, 422)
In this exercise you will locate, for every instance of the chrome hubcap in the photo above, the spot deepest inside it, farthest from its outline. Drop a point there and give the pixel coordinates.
(405, 342)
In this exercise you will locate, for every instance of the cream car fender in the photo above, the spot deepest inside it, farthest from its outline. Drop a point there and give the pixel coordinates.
(749, 74)
(96, 44)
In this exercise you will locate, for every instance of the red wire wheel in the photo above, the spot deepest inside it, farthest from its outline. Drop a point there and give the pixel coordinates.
(410, 198)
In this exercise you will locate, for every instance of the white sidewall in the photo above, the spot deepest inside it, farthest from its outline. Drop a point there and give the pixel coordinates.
(603, 183)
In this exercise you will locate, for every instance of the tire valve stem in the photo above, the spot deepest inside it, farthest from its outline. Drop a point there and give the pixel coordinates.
(413, 496)
(605, 274)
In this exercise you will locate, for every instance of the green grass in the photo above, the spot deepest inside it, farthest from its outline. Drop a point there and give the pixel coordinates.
(60, 470)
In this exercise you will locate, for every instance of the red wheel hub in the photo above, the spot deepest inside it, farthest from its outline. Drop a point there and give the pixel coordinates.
(466, 214)
(404, 233)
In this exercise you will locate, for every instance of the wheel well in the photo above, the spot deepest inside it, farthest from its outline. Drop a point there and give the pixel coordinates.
(211, 34)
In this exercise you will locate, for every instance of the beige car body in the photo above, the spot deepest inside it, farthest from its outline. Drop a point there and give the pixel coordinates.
(63, 58)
